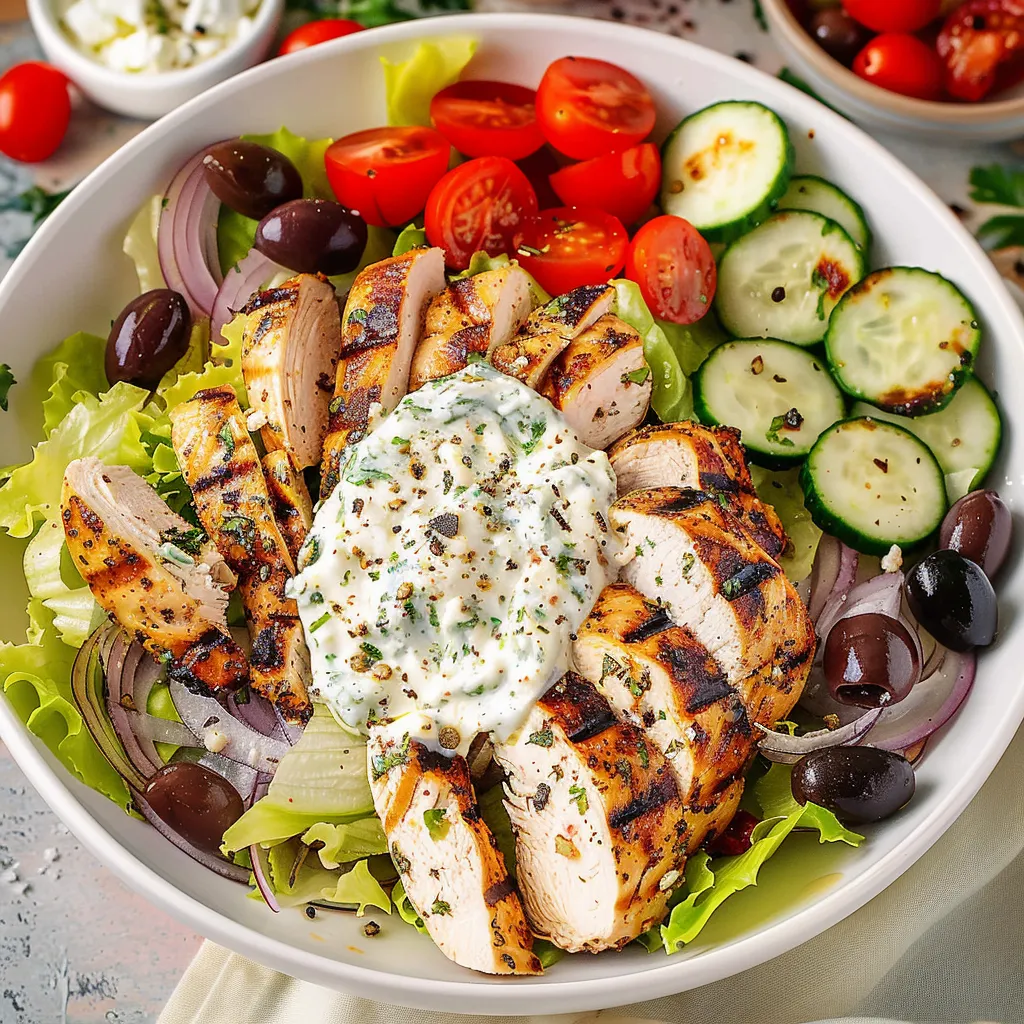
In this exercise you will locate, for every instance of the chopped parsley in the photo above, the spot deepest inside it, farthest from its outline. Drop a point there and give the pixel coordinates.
(383, 763)
(440, 908)
(436, 823)
(227, 438)
(579, 796)
(373, 654)
(537, 428)
(190, 541)
(790, 420)
(242, 530)
(542, 738)
(357, 316)
(326, 617)
(636, 376)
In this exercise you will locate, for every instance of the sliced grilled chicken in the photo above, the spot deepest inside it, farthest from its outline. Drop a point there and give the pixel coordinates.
(471, 316)
(450, 865)
(219, 463)
(690, 554)
(382, 322)
(601, 382)
(289, 358)
(289, 496)
(549, 329)
(660, 677)
(600, 834)
(710, 459)
(163, 582)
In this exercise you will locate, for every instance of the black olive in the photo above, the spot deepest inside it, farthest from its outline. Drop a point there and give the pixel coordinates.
(870, 660)
(838, 34)
(197, 803)
(979, 527)
(855, 783)
(148, 338)
(250, 178)
(952, 598)
(313, 236)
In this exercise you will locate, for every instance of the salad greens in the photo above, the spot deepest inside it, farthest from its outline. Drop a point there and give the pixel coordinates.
(1002, 186)
(411, 84)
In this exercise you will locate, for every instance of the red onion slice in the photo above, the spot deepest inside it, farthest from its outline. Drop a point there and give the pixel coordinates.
(882, 594)
(261, 874)
(290, 731)
(161, 730)
(240, 283)
(786, 749)
(241, 776)
(832, 575)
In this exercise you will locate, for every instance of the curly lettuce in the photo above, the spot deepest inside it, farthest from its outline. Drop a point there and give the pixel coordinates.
(411, 84)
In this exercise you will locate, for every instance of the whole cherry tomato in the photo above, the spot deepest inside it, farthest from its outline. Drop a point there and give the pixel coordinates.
(317, 32)
(903, 64)
(982, 47)
(893, 15)
(34, 111)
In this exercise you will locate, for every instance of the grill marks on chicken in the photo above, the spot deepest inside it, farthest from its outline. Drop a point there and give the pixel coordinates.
(450, 865)
(220, 465)
(289, 496)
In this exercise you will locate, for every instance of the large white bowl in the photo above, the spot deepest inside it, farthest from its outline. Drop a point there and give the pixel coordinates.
(73, 276)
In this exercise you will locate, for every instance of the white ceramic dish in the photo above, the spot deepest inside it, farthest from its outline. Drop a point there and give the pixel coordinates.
(151, 96)
(75, 262)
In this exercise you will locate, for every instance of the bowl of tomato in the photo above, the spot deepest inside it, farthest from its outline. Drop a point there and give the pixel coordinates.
(939, 69)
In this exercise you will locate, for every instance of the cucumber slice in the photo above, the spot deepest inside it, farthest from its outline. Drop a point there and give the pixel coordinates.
(724, 167)
(904, 339)
(780, 396)
(809, 192)
(873, 484)
(964, 437)
(783, 279)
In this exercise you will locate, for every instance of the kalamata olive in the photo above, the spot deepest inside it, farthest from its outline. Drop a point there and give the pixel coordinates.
(313, 235)
(148, 338)
(855, 783)
(953, 599)
(870, 660)
(978, 526)
(250, 178)
(838, 34)
(197, 803)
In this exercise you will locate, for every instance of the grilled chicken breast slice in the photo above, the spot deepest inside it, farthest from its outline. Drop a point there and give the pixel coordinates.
(471, 316)
(661, 678)
(711, 459)
(689, 554)
(382, 322)
(219, 463)
(601, 382)
(600, 834)
(450, 865)
(146, 567)
(290, 349)
(289, 497)
(549, 329)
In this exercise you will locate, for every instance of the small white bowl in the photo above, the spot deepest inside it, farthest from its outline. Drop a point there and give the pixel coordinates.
(1000, 120)
(149, 96)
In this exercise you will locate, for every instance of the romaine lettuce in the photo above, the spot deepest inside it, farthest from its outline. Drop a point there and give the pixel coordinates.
(74, 366)
(411, 84)
(412, 236)
(782, 490)
(140, 244)
(341, 844)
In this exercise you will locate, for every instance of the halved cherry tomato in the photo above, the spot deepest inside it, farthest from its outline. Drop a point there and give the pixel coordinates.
(488, 119)
(34, 111)
(672, 263)
(893, 15)
(903, 64)
(622, 184)
(386, 174)
(316, 32)
(981, 43)
(587, 107)
(567, 247)
(539, 168)
(480, 205)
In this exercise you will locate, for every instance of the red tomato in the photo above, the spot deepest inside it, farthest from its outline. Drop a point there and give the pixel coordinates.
(480, 205)
(902, 64)
(386, 174)
(539, 168)
(893, 15)
(982, 42)
(588, 107)
(34, 111)
(622, 184)
(670, 261)
(488, 119)
(567, 247)
(317, 32)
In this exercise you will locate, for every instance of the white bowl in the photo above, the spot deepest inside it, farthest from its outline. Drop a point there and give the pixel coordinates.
(75, 261)
(151, 96)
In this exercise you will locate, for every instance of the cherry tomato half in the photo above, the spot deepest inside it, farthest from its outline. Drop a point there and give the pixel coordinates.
(480, 205)
(34, 111)
(587, 107)
(317, 32)
(903, 64)
(539, 168)
(893, 15)
(566, 247)
(672, 263)
(386, 174)
(981, 42)
(622, 184)
(488, 119)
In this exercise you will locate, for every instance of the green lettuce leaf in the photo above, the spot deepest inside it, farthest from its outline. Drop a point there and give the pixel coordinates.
(341, 844)
(496, 818)
(692, 343)
(480, 262)
(75, 612)
(74, 366)
(411, 84)
(406, 911)
(140, 245)
(782, 490)
(224, 366)
(360, 889)
(410, 237)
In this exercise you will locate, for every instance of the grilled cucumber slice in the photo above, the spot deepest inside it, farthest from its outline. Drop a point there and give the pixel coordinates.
(724, 167)
(903, 339)
(783, 279)
(780, 396)
(809, 192)
(873, 484)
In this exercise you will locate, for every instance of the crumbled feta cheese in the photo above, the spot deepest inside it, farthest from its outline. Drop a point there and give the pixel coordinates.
(91, 26)
(256, 420)
(892, 560)
(214, 740)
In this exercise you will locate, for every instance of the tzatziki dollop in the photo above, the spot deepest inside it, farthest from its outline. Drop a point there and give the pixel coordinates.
(447, 573)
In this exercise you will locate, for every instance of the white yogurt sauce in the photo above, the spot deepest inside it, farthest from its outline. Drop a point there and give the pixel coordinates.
(448, 571)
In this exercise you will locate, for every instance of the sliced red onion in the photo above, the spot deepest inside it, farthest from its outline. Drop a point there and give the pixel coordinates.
(241, 776)
(160, 730)
(289, 730)
(261, 874)
(123, 662)
(832, 575)
(256, 712)
(786, 749)
(882, 594)
(240, 283)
